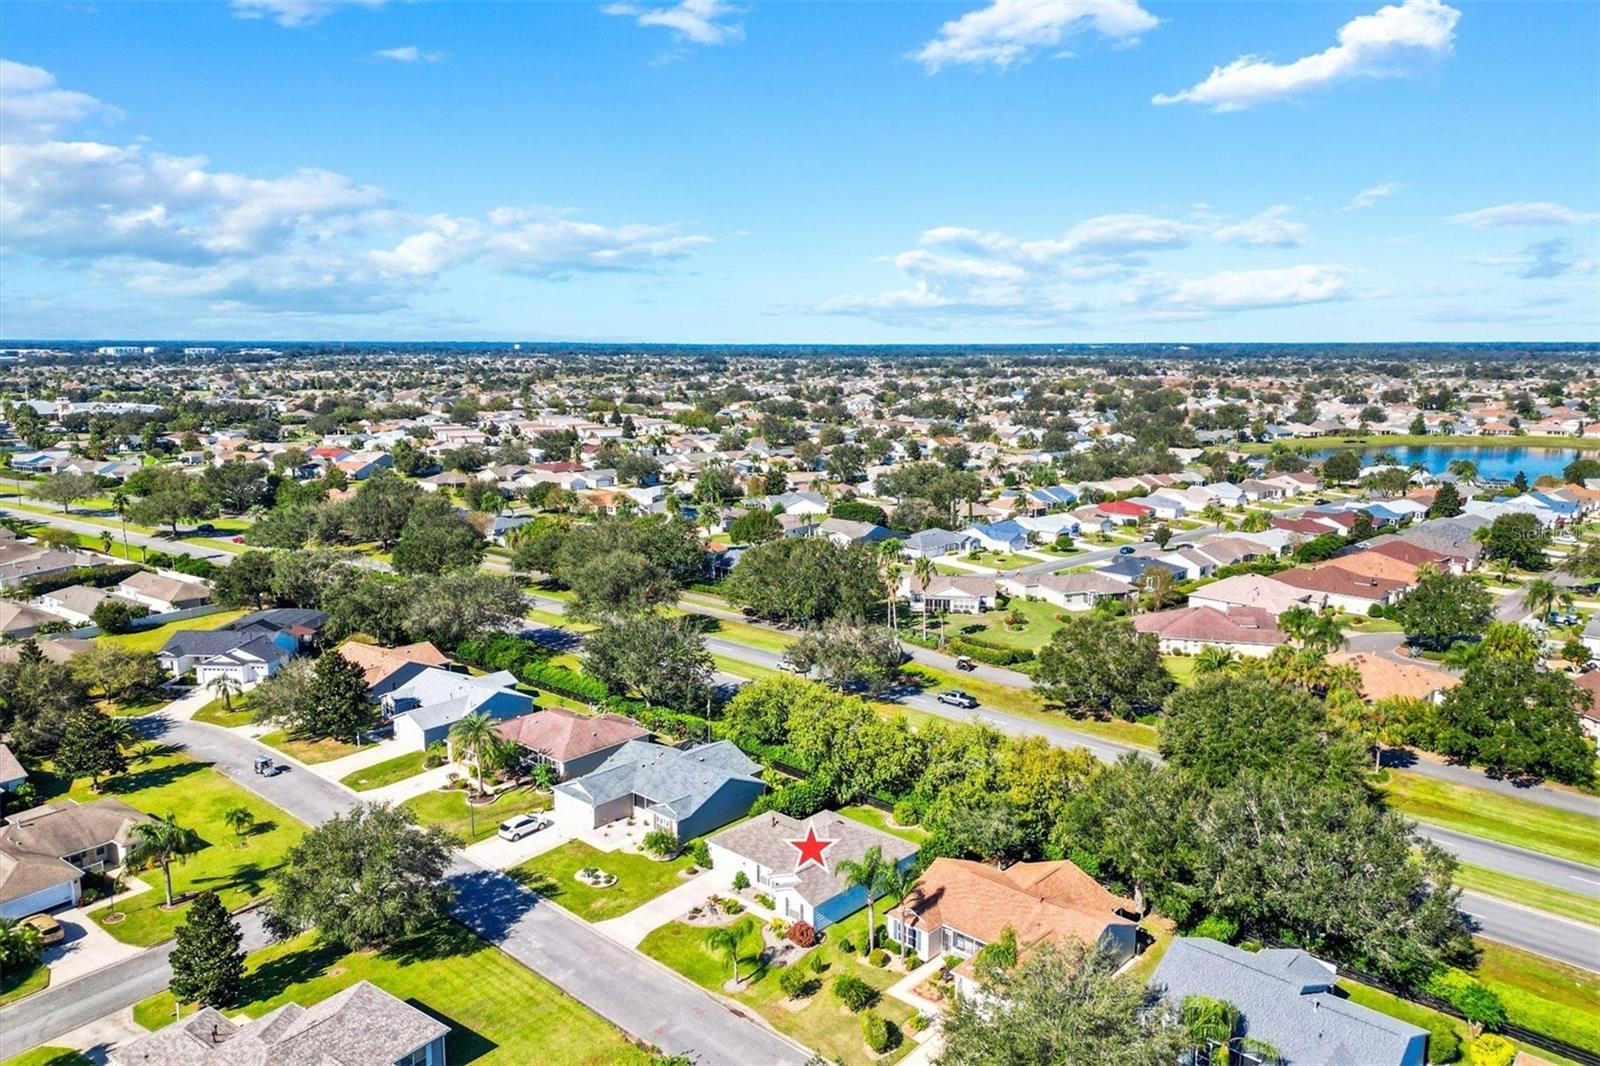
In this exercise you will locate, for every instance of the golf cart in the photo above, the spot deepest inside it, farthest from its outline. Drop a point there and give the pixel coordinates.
(964, 662)
(265, 767)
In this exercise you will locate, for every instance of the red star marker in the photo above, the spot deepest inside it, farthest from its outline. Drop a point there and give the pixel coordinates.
(811, 850)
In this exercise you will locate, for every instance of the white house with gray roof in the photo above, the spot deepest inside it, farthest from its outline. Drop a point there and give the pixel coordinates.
(760, 848)
(428, 704)
(1286, 999)
(688, 793)
(360, 1026)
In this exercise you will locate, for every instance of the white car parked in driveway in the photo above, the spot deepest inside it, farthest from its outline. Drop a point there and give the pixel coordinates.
(522, 825)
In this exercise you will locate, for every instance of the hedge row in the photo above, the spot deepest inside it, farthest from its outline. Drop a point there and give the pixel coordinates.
(97, 576)
(993, 654)
(561, 681)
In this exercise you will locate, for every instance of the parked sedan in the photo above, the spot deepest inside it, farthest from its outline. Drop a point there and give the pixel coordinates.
(514, 829)
(956, 698)
(1126, 549)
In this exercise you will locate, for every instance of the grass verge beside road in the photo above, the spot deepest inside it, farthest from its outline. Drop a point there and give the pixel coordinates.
(447, 809)
(237, 870)
(384, 773)
(17, 983)
(324, 749)
(1507, 819)
(499, 1012)
(217, 713)
(1542, 994)
(639, 879)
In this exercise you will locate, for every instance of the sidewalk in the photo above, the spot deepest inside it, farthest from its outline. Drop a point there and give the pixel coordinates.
(415, 785)
(930, 1041)
(369, 755)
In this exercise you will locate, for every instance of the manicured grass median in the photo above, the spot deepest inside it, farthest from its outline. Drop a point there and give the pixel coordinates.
(1535, 894)
(821, 1023)
(151, 640)
(447, 809)
(639, 879)
(199, 796)
(17, 983)
(1507, 819)
(385, 773)
(499, 1013)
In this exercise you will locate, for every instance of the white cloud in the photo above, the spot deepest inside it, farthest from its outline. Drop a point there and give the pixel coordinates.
(1272, 228)
(1386, 43)
(294, 14)
(691, 21)
(1102, 237)
(1236, 290)
(309, 241)
(33, 108)
(1011, 31)
(408, 54)
(1372, 194)
(1542, 213)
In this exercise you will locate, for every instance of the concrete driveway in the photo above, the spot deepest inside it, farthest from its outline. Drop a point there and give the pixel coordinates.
(87, 947)
(629, 929)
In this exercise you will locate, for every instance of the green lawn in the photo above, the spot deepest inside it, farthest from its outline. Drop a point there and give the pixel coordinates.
(751, 635)
(217, 713)
(1534, 894)
(999, 560)
(879, 820)
(1407, 1011)
(823, 1023)
(199, 796)
(740, 668)
(1034, 633)
(1510, 820)
(152, 639)
(447, 809)
(499, 1013)
(323, 749)
(15, 983)
(48, 1056)
(1543, 994)
(1181, 667)
(639, 879)
(385, 773)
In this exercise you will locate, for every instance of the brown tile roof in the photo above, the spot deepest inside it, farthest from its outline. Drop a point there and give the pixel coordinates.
(564, 735)
(1339, 583)
(1374, 564)
(1382, 678)
(1039, 900)
(378, 662)
(1238, 625)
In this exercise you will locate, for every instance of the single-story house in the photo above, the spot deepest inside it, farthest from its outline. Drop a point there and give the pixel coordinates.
(362, 1024)
(688, 793)
(1161, 506)
(1248, 590)
(932, 543)
(21, 620)
(386, 669)
(1125, 512)
(163, 594)
(999, 537)
(1130, 568)
(1070, 592)
(1247, 631)
(1277, 991)
(844, 532)
(956, 593)
(1340, 589)
(571, 743)
(760, 848)
(1382, 678)
(427, 705)
(245, 656)
(958, 906)
(45, 851)
(75, 603)
(1048, 527)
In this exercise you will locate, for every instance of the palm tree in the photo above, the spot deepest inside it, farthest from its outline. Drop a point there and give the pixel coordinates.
(1214, 658)
(1540, 597)
(870, 873)
(224, 688)
(474, 734)
(1313, 629)
(106, 540)
(1465, 469)
(162, 841)
(726, 941)
(898, 882)
(1209, 1021)
(19, 944)
(922, 569)
(240, 820)
(1157, 585)
(119, 503)
(891, 583)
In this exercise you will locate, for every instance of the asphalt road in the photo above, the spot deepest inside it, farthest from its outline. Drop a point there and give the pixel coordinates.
(1520, 927)
(143, 540)
(1518, 862)
(634, 993)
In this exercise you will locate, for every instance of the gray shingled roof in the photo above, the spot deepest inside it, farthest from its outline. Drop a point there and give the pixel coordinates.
(765, 838)
(676, 782)
(1284, 998)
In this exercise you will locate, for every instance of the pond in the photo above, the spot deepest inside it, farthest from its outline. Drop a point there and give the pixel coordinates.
(1501, 464)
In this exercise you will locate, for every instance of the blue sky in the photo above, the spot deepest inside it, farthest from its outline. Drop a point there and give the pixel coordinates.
(771, 172)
